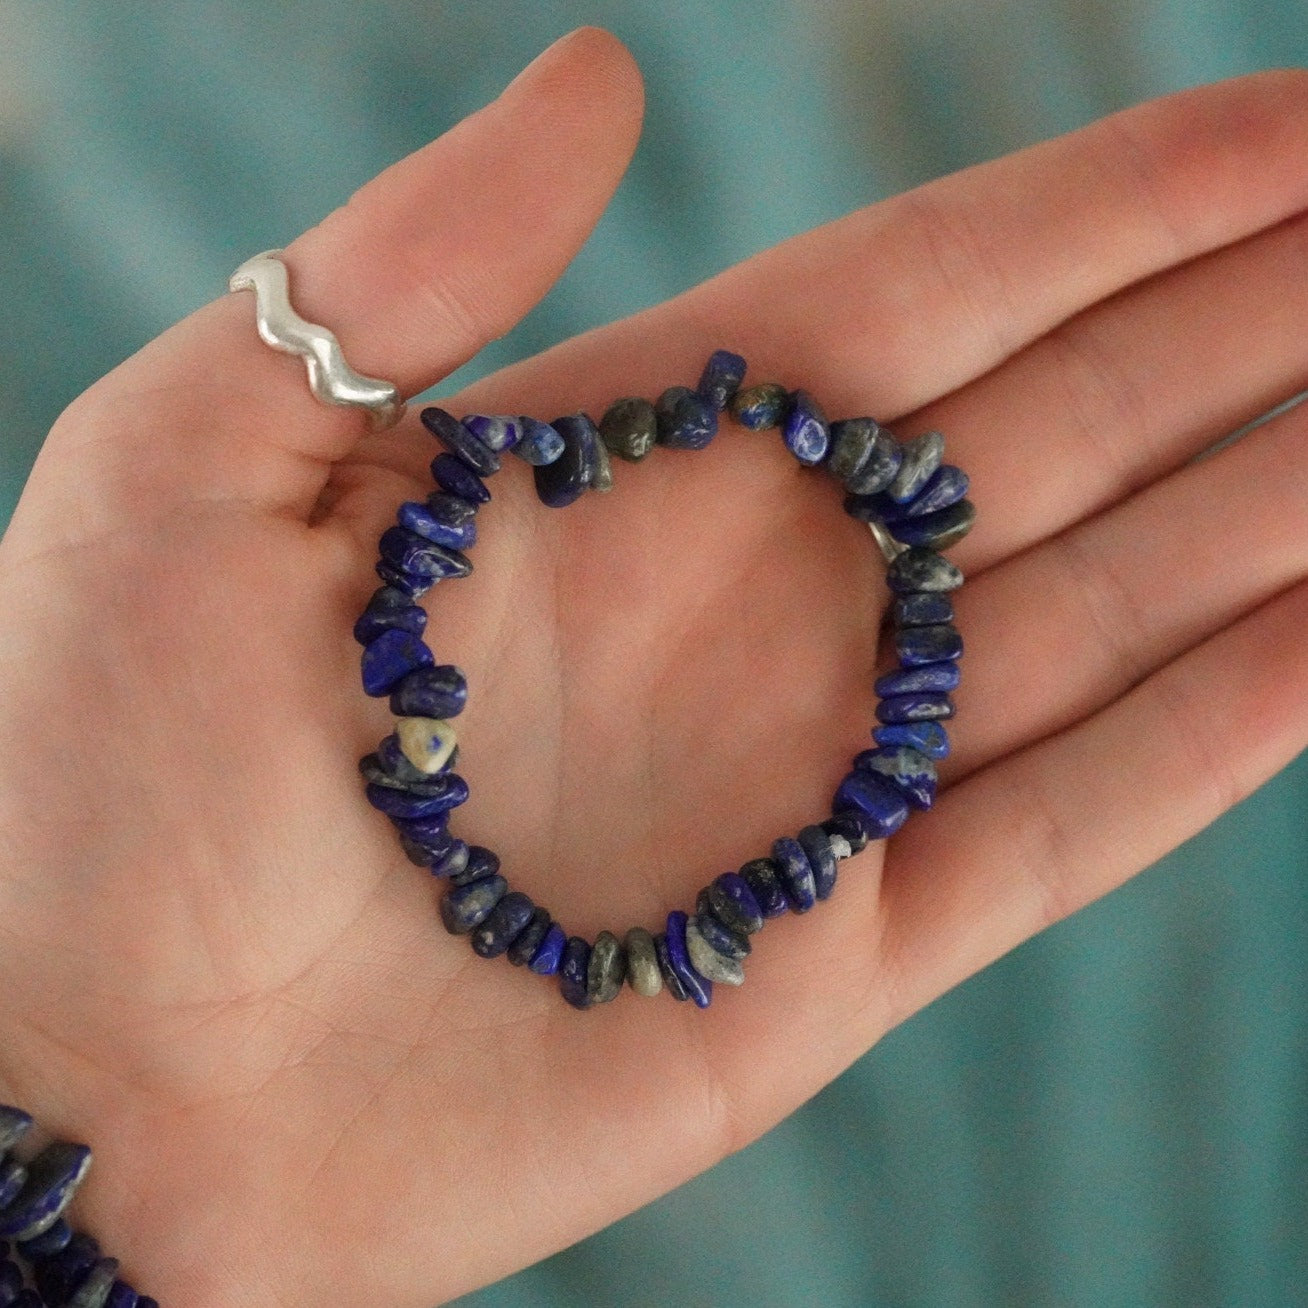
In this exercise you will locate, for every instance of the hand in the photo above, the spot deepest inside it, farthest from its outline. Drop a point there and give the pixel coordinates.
(218, 966)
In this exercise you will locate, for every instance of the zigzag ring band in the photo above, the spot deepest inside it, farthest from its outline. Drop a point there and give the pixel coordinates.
(331, 379)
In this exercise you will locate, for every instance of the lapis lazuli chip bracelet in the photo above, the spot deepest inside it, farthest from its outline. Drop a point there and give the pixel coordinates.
(916, 506)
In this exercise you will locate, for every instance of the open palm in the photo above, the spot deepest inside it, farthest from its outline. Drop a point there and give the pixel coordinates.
(219, 968)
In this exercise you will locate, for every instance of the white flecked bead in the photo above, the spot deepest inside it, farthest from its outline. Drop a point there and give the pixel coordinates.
(426, 742)
(840, 847)
(708, 962)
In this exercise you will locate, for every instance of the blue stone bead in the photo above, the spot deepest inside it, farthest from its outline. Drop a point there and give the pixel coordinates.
(92, 1288)
(410, 553)
(928, 737)
(30, 1299)
(573, 970)
(922, 609)
(907, 768)
(57, 1275)
(919, 677)
(796, 873)
(881, 805)
(11, 1281)
(395, 765)
(493, 935)
(390, 658)
(431, 829)
(460, 441)
(482, 862)
(372, 622)
(922, 457)
(414, 782)
(721, 379)
(763, 877)
(721, 939)
(937, 644)
(121, 1295)
(879, 469)
(431, 690)
(848, 825)
(410, 583)
(922, 569)
(14, 1125)
(685, 420)
(946, 486)
(698, 987)
(405, 804)
(559, 483)
(760, 406)
(424, 853)
(548, 957)
(453, 475)
(734, 903)
(924, 706)
(939, 530)
(422, 521)
(453, 861)
(145, 1301)
(870, 508)
(804, 429)
(12, 1176)
(670, 979)
(493, 431)
(816, 844)
(52, 1177)
(530, 938)
(51, 1240)
(629, 428)
(864, 455)
(465, 907)
(539, 443)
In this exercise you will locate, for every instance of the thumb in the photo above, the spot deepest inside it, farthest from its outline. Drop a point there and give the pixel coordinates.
(440, 253)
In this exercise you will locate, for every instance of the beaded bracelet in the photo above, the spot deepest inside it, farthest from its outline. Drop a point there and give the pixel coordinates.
(66, 1266)
(915, 505)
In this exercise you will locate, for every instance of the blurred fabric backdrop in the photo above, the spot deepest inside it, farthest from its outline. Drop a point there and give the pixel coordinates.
(1113, 1114)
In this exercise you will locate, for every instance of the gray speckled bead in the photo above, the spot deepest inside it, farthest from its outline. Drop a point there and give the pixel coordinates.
(721, 378)
(879, 466)
(14, 1125)
(946, 486)
(452, 862)
(375, 771)
(728, 943)
(629, 428)
(466, 906)
(922, 569)
(816, 843)
(52, 1178)
(852, 440)
(444, 791)
(605, 969)
(763, 877)
(493, 935)
(924, 609)
(643, 974)
(761, 406)
(734, 905)
(922, 457)
(480, 862)
(935, 644)
(528, 940)
(685, 421)
(602, 478)
(938, 530)
(539, 443)
(908, 768)
(707, 961)
(460, 441)
(93, 1289)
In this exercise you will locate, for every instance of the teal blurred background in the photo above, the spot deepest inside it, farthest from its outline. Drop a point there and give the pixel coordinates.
(1115, 1113)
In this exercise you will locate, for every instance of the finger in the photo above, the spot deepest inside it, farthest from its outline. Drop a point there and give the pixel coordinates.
(903, 301)
(434, 257)
(1022, 844)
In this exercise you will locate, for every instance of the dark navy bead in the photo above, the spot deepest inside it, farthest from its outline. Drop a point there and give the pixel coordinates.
(698, 987)
(431, 833)
(502, 925)
(559, 483)
(946, 486)
(57, 1275)
(482, 862)
(430, 524)
(721, 379)
(870, 508)
(92, 1290)
(916, 645)
(430, 691)
(863, 455)
(452, 861)
(395, 764)
(921, 676)
(629, 428)
(734, 903)
(30, 1299)
(539, 443)
(390, 658)
(572, 972)
(121, 1295)
(804, 429)
(925, 706)
(606, 969)
(410, 553)
(460, 441)
(527, 941)
(372, 622)
(549, 953)
(816, 844)
(602, 478)
(425, 783)
(796, 873)
(11, 1282)
(847, 824)
(938, 530)
(928, 737)
(922, 569)
(908, 768)
(14, 1125)
(670, 979)
(453, 475)
(884, 459)
(882, 806)
(763, 877)
(760, 406)
(922, 457)
(12, 1176)
(51, 1240)
(722, 939)
(685, 421)
(495, 432)
(145, 1301)
(410, 583)
(450, 793)
(922, 609)
(467, 906)
(52, 1177)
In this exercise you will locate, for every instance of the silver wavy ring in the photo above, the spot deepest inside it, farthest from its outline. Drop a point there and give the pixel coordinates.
(331, 379)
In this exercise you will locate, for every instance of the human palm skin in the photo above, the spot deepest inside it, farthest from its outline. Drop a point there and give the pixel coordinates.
(217, 965)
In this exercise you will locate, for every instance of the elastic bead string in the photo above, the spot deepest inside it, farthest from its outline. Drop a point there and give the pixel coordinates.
(915, 505)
